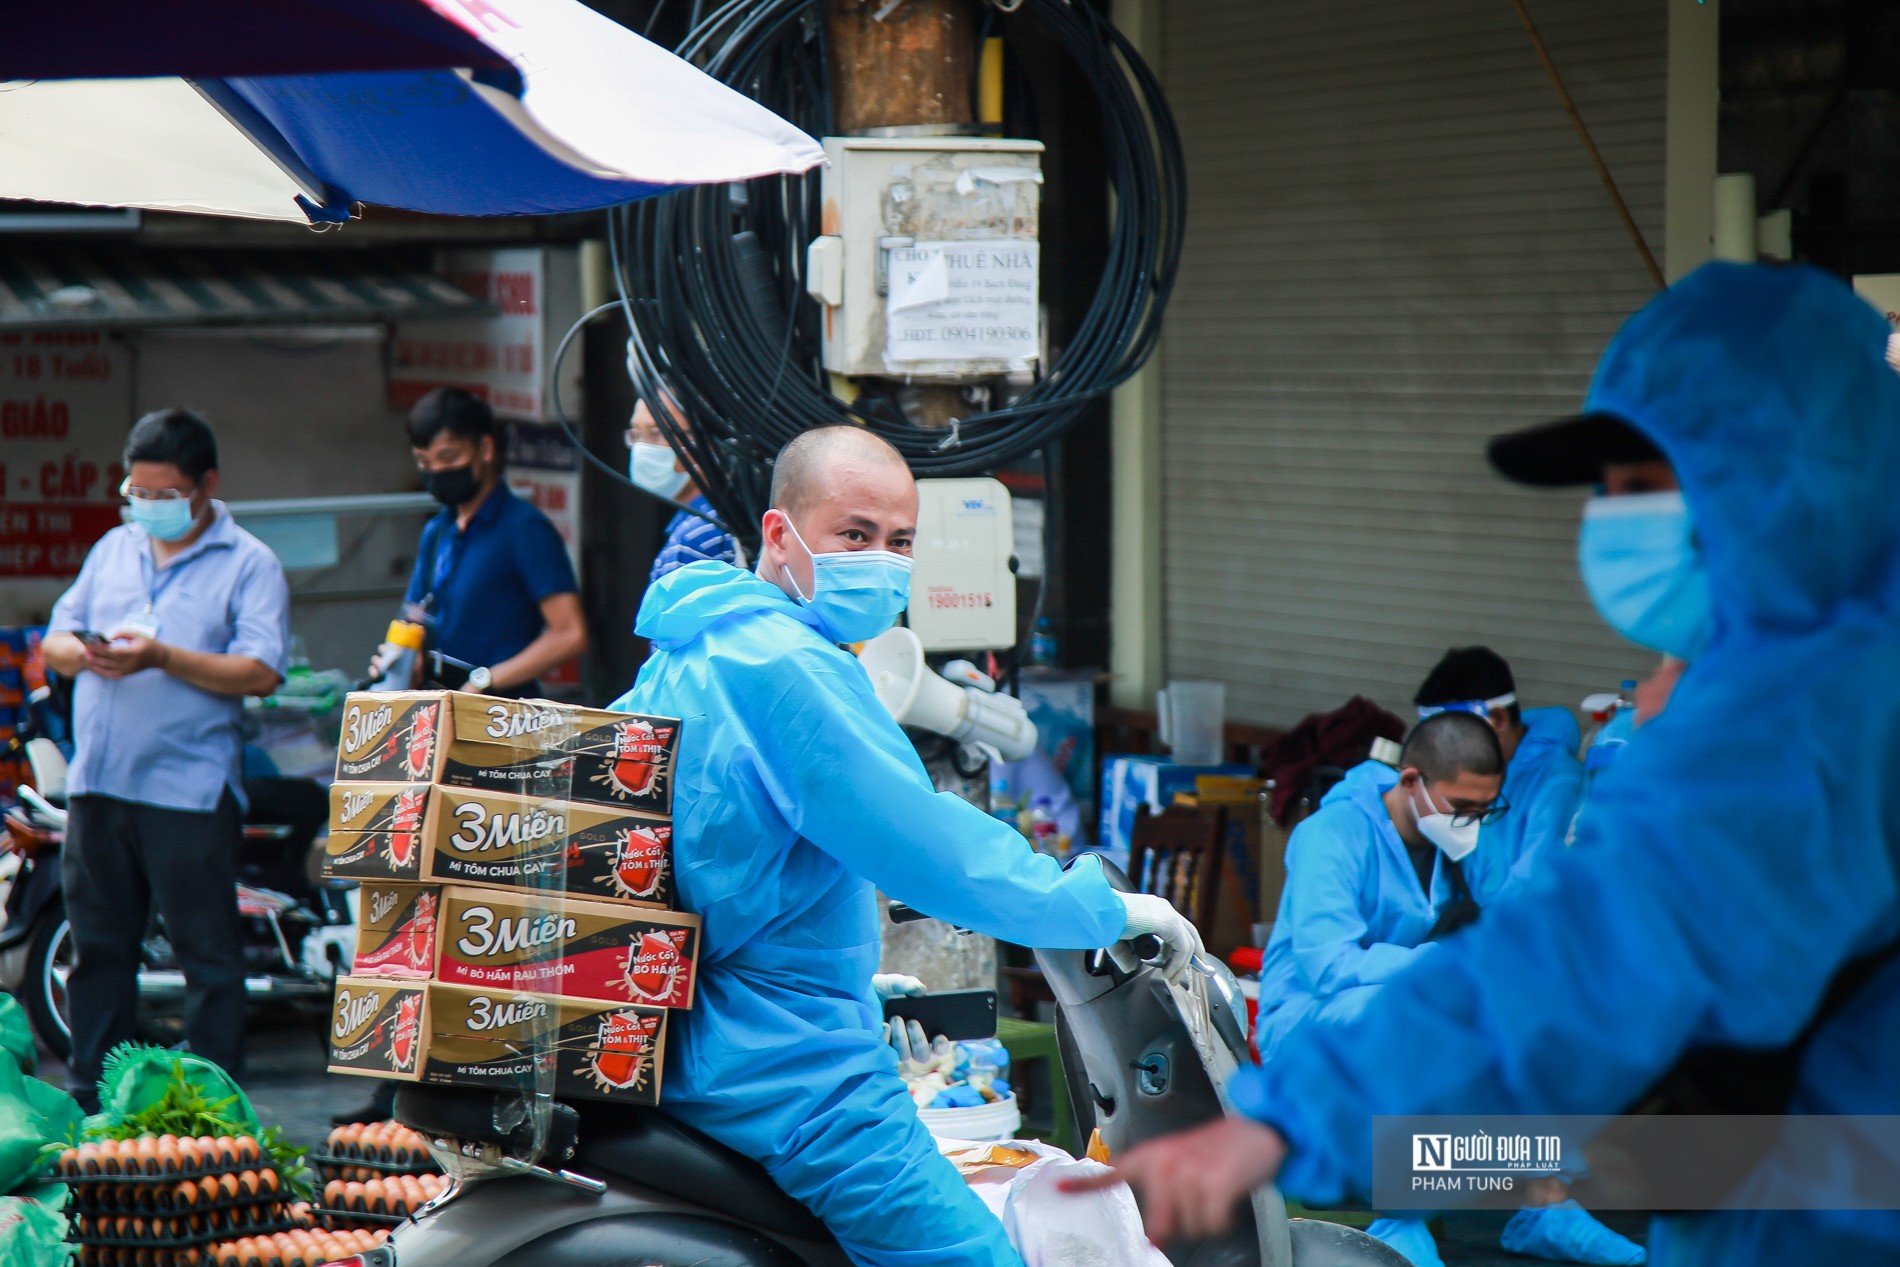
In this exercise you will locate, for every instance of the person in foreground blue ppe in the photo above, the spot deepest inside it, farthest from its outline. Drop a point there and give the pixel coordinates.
(1743, 849)
(1542, 776)
(795, 794)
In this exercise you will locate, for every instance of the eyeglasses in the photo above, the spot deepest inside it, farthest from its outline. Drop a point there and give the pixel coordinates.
(1482, 817)
(153, 494)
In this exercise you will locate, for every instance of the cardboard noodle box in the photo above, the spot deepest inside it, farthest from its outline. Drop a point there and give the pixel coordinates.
(449, 1035)
(530, 747)
(425, 833)
(497, 940)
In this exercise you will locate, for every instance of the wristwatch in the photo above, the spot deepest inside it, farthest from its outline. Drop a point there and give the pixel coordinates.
(480, 679)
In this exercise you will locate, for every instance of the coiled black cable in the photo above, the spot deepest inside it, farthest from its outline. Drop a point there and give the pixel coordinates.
(742, 364)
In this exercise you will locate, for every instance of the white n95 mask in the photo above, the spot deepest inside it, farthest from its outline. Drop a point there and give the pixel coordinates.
(1454, 841)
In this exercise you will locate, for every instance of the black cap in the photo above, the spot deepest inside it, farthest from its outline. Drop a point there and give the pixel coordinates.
(1573, 451)
(1466, 673)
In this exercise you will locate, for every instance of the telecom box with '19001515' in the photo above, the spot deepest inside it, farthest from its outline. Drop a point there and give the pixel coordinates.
(456, 739)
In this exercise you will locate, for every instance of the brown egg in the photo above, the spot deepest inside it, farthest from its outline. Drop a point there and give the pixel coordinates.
(227, 1187)
(170, 1160)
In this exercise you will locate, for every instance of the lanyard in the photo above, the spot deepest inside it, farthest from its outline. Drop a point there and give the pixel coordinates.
(446, 556)
(158, 580)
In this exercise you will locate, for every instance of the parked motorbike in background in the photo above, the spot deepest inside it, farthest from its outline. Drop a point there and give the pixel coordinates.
(298, 934)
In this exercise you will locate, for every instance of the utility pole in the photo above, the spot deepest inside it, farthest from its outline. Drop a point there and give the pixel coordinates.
(905, 64)
(908, 65)
(901, 63)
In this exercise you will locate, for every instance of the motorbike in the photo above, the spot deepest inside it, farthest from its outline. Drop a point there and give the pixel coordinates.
(612, 1184)
(297, 935)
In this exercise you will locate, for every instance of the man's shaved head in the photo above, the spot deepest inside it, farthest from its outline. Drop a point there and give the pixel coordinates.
(1447, 745)
(848, 490)
(807, 465)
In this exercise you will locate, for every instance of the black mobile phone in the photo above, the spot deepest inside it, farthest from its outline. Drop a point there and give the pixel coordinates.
(91, 637)
(956, 1014)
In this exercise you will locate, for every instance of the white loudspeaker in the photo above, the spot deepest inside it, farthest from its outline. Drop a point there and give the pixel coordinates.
(917, 697)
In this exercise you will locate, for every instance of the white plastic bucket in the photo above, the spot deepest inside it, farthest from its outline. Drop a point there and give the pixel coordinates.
(981, 1124)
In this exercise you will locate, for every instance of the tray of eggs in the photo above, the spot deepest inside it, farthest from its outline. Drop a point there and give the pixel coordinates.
(362, 1152)
(388, 1200)
(158, 1159)
(300, 1248)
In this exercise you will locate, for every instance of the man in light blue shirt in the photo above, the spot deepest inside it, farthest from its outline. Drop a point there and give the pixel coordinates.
(175, 618)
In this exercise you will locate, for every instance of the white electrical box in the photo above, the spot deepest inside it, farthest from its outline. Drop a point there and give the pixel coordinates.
(928, 269)
(962, 593)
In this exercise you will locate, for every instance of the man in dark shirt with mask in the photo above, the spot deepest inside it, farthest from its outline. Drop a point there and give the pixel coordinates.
(491, 571)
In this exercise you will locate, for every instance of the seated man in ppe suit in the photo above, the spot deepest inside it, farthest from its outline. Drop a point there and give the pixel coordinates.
(1736, 883)
(1371, 871)
(1373, 877)
(1542, 777)
(795, 795)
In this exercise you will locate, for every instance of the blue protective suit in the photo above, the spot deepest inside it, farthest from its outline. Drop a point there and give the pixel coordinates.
(795, 794)
(1744, 844)
(1352, 913)
(1542, 785)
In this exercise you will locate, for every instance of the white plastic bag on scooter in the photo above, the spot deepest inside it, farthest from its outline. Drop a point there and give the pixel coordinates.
(1053, 1228)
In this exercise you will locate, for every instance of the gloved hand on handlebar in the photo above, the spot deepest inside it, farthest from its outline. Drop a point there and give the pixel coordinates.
(1180, 941)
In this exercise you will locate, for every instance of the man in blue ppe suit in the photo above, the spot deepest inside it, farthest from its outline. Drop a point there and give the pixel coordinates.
(1542, 776)
(795, 794)
(1368, 875)
(1742, 853)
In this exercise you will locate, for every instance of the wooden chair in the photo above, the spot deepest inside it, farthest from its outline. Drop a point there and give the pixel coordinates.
(1180, 854)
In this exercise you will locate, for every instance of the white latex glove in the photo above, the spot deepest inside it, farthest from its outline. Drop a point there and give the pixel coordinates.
(895, 985)
(913, 1049)
(1180, 942)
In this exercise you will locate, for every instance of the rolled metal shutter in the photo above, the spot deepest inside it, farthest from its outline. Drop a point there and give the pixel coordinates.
(1396, 249)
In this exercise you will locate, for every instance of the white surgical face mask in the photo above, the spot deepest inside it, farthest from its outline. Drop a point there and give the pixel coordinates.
(1436, 826)
(652, 467)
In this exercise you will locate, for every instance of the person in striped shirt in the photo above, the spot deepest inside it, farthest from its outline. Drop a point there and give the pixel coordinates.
(654, 466)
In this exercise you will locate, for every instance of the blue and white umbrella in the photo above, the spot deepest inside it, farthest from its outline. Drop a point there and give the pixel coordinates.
(584, 114)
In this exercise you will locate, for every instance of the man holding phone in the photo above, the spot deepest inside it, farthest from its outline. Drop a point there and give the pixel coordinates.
(175, 618)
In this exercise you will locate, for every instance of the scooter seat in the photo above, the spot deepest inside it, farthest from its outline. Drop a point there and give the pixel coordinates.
(659, 1152)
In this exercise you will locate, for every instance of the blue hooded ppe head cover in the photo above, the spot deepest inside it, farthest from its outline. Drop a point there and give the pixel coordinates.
(1640, 563)
(1745, 845)
(855, 594)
